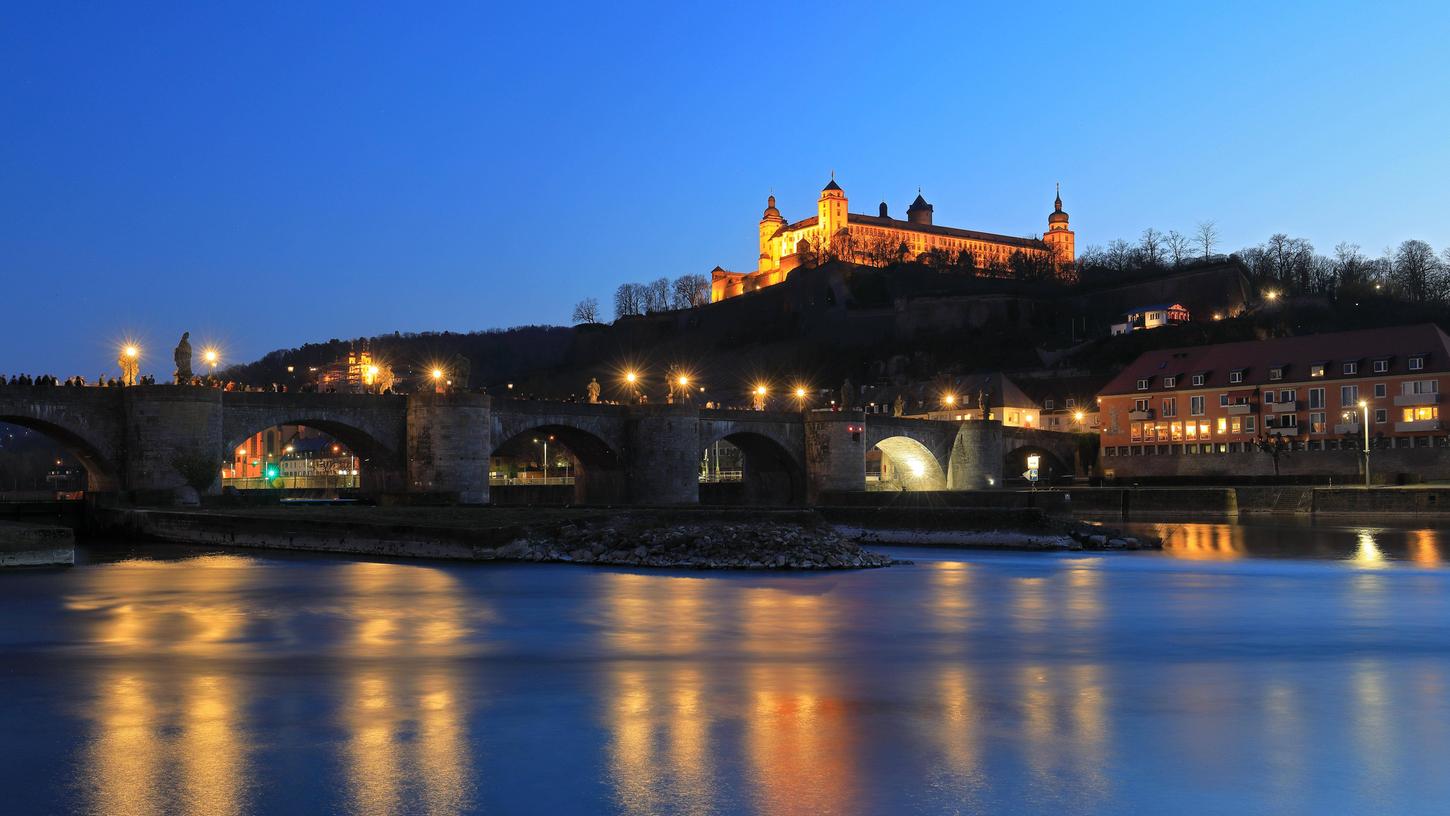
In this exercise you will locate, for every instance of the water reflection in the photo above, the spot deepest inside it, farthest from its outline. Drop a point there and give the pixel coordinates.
(800, 741)
(660, 752)
(165, 741)
(170, 715)
(1366, 547)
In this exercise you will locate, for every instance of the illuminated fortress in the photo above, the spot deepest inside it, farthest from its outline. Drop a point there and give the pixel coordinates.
(879, 239)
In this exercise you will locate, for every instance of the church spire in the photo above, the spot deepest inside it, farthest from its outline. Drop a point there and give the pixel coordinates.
(1057, 205)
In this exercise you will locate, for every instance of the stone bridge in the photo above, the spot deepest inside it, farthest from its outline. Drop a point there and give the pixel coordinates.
(131, 441)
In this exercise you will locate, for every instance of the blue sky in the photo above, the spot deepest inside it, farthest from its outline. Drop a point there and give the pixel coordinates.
(268, 174)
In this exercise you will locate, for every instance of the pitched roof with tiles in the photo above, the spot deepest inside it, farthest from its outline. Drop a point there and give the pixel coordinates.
(1294, 355)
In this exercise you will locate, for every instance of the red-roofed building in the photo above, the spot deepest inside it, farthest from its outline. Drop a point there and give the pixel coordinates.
(1219, 399)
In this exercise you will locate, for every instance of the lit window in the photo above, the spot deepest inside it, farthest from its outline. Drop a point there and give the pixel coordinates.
(1316, 370)
(1223, 425)
(1420, 413)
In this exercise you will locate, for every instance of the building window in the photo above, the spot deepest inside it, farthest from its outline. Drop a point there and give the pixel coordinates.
(1071, 403)
(1198, 379)
(1170, 407)
(1170, 382)
(1316, 398)
(1140, 404)
(1420, 413)
(1203, 429)
(1316, 370)
(1417, 363)
(1270, 397)
(1381, 366)
(1420, 387)
(1348, 395)
(1143, 384)
(1286, 395)
(1236, 376)
(1276, 373)
(1316, 422)
(1235, 424)
(1381, 416)
(1222, 425)
(1351, 368)
(1195, 405)
(1048, 405)
(1251, 424)
(1380, 390)
(1289, 421)
(1223, 400)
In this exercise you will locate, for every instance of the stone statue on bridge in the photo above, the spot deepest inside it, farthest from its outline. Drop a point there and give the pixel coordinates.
(984, 400)
(848, 395)
(182, 356)
(593, 390)
(459, 367)
(898, 407)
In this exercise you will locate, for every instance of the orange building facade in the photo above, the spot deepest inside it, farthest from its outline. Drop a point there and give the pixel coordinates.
(1313, 391)
(860, 238)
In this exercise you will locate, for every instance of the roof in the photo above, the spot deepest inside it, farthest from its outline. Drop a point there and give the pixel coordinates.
(919, 203)
(1294, 354)
(832, 186)
(911, 226)
(1157, 307)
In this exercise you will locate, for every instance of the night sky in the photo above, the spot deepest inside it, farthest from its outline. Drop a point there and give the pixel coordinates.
(269, 174)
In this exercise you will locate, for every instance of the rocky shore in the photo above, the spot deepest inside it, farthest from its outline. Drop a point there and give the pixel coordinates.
(743, 545)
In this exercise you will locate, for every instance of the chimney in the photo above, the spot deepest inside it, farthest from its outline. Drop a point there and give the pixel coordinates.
(883, 210)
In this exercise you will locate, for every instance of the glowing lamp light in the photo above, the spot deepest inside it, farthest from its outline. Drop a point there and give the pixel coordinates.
(800, 393)
(1271, 295)
(1079, 415)
(631, 377)
(210, 356)
(684, 380)
(917, 468)
(132, 351)
(1363, 404)
(760, 390)
(437, 373)
(950, 399)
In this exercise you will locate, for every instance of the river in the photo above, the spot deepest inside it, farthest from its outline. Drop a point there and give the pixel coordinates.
(1249, 668)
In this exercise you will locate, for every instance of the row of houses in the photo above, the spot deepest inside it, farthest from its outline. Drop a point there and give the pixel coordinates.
(1215, 410)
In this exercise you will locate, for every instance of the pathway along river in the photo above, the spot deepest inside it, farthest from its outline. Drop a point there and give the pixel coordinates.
(1249, 668)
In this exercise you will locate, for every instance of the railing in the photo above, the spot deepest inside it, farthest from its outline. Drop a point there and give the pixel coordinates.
(1239, 408)
(532, 480)
(1138, 416)
(722, 476)
(1417, 426)
(1417, 399)
(290, 482)
(1285, 407)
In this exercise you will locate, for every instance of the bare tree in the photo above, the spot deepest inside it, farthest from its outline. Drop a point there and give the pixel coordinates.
(1417, 271)
(1150, 247)
(689, 291)
(586, 311)
(628, 300)
(657, 295)
(1120, 256)
(1207, 237)
(1178, 247)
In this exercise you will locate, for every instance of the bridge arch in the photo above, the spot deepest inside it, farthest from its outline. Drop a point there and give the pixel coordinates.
(102, 471)
(600, 474)
(380, 461)
(771, 472)
(908, 464)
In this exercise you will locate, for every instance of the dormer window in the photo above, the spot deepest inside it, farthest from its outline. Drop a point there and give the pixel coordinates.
(1316, 369)
(1198, 379)
(1417, 362)
(1048, 405)
(1381, 366)
(1170, 382)
(1351, 368)
(1276, 373)
(1142, 383)
(1071, 403)
(1236, 376)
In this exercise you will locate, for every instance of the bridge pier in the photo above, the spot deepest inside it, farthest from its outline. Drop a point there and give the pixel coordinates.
(835, 453)
(976, 457)
(167, 426)
(664, 454)
(448, 445)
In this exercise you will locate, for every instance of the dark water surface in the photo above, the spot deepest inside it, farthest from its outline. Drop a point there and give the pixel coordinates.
(1249, 669)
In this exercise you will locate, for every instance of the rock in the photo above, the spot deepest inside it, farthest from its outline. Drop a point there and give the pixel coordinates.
(1097, 540)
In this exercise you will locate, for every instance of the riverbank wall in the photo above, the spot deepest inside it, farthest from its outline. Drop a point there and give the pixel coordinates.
(36, 545)
(1156, 502)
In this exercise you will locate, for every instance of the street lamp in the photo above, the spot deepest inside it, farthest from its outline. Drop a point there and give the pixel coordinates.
(760, 393)
(1271, 295)
(1078, 417)
(949, 400)
(545, 441)
(1364, 411)
(211, 357)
